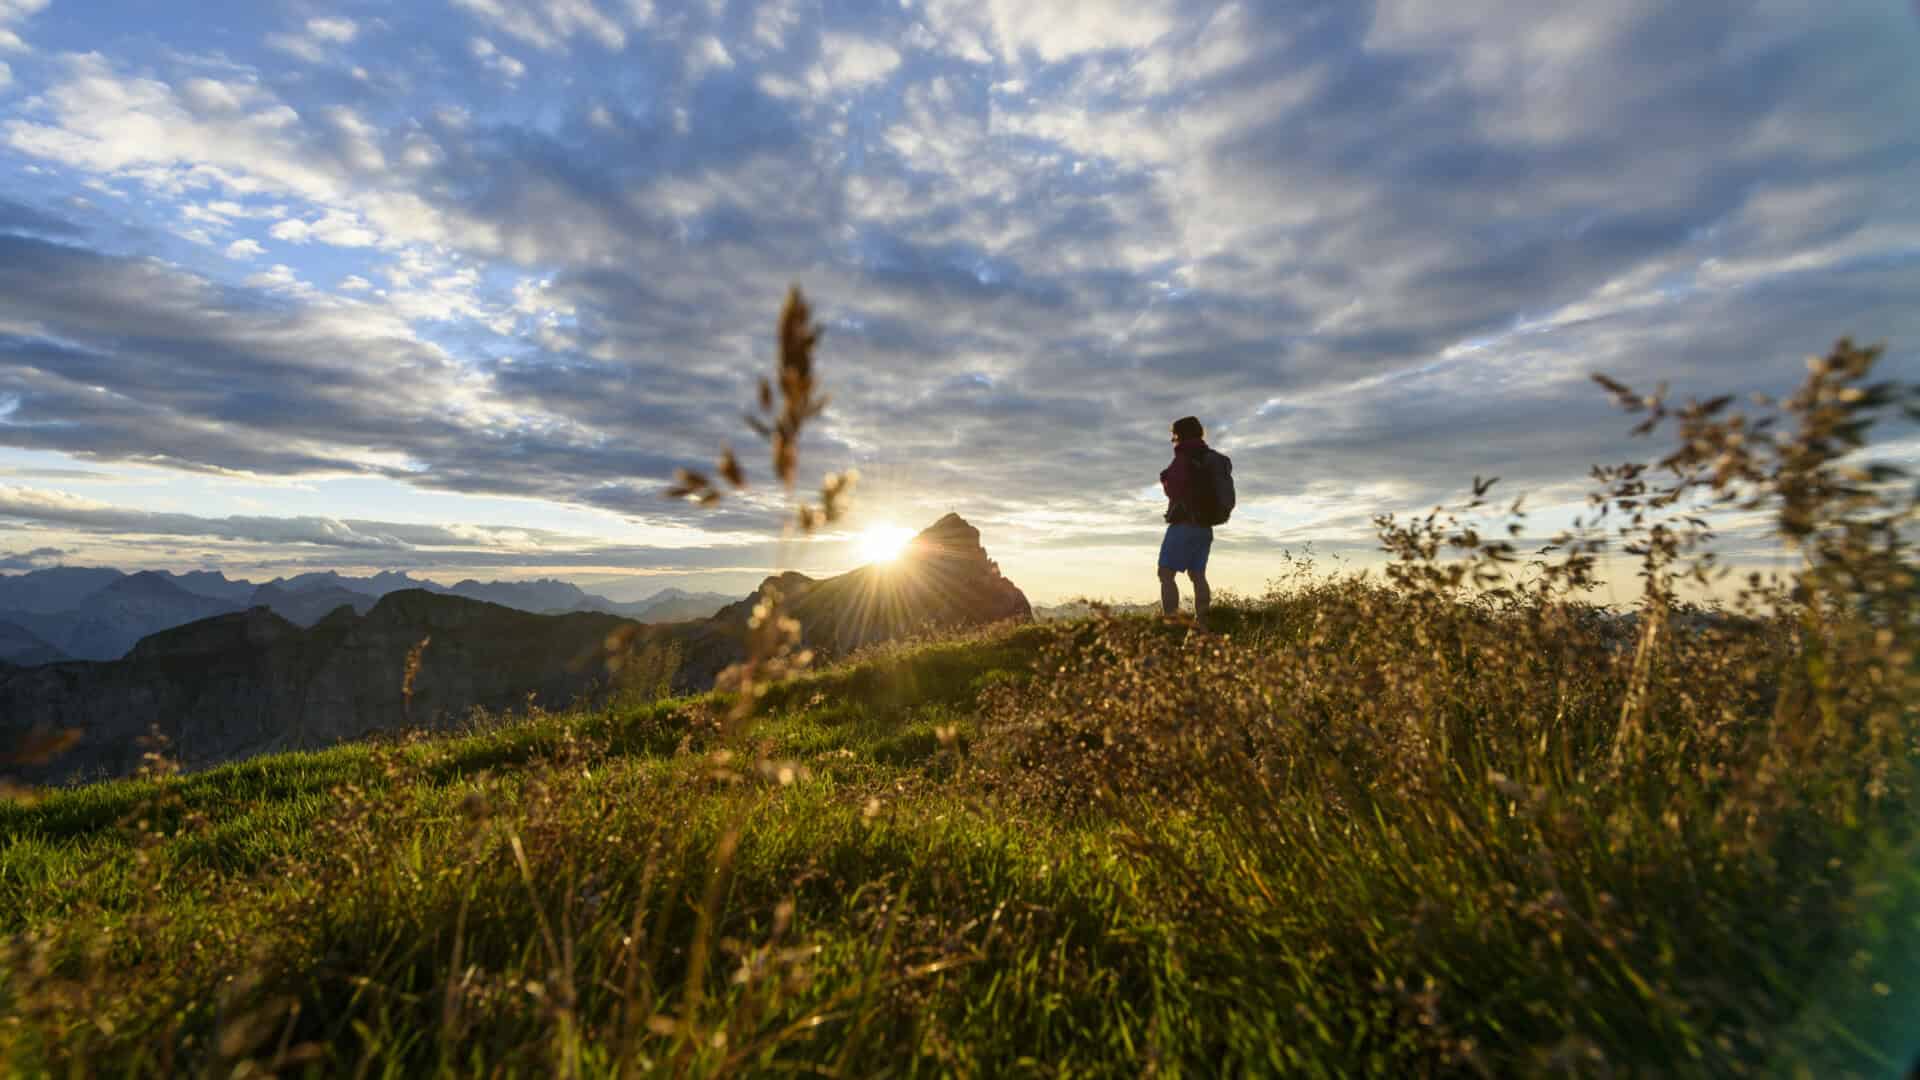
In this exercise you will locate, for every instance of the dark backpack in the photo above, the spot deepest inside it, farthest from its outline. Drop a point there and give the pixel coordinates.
(1210, 488)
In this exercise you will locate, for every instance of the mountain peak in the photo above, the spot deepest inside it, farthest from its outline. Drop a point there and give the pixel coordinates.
(220, 635)
(943, 579)
(145, 583)
(951, 534)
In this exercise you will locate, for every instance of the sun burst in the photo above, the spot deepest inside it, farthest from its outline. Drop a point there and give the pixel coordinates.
(883, 543)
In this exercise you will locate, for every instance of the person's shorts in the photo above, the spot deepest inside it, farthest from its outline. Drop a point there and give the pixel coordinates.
(1185, 548)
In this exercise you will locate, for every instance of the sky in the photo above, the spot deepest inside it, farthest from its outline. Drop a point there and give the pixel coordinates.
(453, 286)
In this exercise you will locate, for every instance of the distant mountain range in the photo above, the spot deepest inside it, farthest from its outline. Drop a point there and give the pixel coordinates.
(1081, 609)
(98, 613)
(242, 682)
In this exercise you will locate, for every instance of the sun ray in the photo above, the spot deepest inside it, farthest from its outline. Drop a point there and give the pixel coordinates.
(883, 543)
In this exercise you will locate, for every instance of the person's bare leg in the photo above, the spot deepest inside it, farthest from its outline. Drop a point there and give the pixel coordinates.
(1169, 592)
(1202, 597)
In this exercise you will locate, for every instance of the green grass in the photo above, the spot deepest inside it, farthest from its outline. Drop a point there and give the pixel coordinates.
(879, 876)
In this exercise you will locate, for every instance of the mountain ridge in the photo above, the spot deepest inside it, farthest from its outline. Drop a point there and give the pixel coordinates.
(242, 682)
(92, 613)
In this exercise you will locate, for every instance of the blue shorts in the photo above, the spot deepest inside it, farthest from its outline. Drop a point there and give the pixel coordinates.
(1185, 548)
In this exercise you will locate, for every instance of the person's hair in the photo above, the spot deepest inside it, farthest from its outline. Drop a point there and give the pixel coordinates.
(1188, 427)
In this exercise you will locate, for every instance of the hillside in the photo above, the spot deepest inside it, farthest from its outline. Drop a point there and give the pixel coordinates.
(324, 663)
(23, 648)
(934, 862)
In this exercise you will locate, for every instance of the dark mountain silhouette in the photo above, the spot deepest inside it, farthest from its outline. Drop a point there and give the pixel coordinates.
(116, 617)
(394, 580)
(59, 588)
(104, 624)
(215, 585)
(246, 682)
(673, 605)
(24, 648)
(942, 581)
(304, 607)
(250, 682)
(328, 579)
(91, 613)
(543, 595)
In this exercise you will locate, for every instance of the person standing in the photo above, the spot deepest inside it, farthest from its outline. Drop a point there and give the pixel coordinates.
(1199, 488)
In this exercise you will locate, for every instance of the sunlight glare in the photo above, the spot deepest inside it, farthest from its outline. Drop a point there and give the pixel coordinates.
(883, 543)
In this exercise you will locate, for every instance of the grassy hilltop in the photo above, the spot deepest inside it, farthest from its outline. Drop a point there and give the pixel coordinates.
(1446, 820)
(926, 863)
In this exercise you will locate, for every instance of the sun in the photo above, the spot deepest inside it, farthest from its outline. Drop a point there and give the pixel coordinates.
(883, 543)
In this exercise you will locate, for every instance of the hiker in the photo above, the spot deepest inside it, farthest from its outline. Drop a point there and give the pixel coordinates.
(1199, 487)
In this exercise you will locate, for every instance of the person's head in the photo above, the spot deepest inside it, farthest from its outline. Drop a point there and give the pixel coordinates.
(1188, 427)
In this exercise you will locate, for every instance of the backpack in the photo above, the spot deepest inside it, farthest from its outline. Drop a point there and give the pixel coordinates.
(1210, 488)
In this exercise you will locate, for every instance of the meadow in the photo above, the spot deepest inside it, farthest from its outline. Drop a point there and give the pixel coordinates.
(1450, 819)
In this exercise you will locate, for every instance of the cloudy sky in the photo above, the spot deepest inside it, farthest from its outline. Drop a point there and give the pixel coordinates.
(453, 285)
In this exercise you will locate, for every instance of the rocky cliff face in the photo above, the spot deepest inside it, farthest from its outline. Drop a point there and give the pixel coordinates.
(250, 682)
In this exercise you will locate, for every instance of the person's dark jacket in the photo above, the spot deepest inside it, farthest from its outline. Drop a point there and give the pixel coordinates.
(1175, 479)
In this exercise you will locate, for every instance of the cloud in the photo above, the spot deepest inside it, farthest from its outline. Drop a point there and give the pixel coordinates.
(234, 134)
(304, 48)
(13, 12)
(21, 218)
(335, 29)
(851, 61)
(32, 560)
(56, 508)
(146, 363)
(59, 509)
(496, 61)
(707, 54)
(333, 542)
(279, 277)
(315, 38)
(339, 228)
(774, 21)
(245, 249)
(1050, 32)
(549, 24)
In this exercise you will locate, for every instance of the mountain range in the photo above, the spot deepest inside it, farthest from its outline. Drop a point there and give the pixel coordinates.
(98, 613)
(237, 683)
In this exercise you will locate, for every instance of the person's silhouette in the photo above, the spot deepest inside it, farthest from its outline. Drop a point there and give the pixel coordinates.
(1189, 537)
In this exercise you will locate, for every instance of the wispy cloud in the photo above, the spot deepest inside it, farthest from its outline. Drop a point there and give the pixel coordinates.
(12, 14)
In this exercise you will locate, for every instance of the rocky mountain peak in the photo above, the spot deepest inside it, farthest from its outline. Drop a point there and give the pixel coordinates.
(951, 530)
(429, 610)
(944, 578)
(240, 631)
(145, 583)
